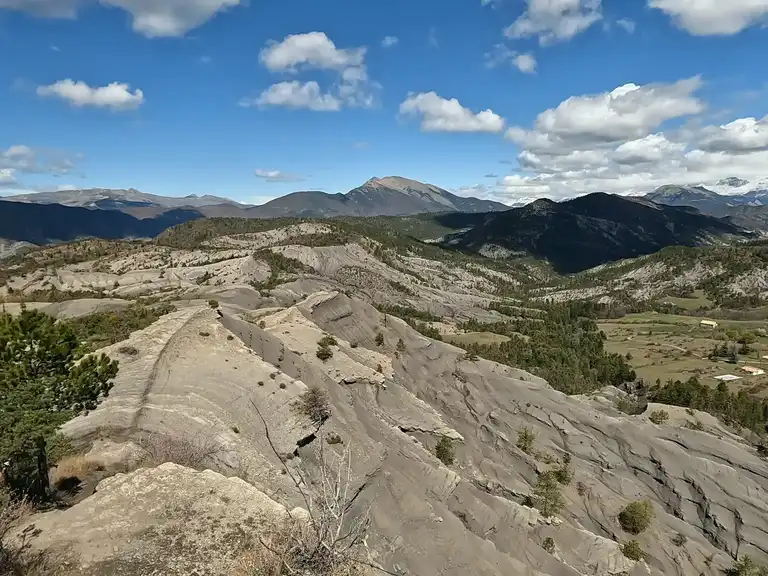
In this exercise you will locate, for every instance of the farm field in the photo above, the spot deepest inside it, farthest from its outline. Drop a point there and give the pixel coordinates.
(668, 347)
(677, 320)
(696, 301)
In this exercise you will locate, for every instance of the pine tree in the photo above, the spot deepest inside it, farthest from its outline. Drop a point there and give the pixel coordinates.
(549, 499)
(44, 381)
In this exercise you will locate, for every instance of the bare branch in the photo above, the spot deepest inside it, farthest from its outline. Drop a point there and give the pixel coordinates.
(285, 467)
(332, 543)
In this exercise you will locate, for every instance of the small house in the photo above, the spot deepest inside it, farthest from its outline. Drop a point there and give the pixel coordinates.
(727, 377)
(708, 323)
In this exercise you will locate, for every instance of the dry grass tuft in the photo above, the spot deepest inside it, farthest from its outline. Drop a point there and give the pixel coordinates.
(193, 452)
(291, 548)
(73, 469)
(12, 556)
(332, 540)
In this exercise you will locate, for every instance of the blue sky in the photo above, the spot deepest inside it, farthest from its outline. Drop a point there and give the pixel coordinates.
(504, 99)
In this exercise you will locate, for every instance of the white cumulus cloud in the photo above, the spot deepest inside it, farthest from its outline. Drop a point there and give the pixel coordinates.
(651, 148)
(713, 17)
(555, 20)
(151, 18)
(627, 112)
(620, 141)
(116, 95)
(295, 94)
(741, 135)
(525, 63)
(315, 51)
(442, 115)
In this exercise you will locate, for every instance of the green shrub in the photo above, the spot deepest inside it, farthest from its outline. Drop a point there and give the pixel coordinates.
(762, 450)
(564, 473)
(470, 357)
(400, 345)
(631, 407)
(314, 404)
(633, 551)
(548, 545)
(379, 339)
(59, 447)
(327, 340)
(679, 539)
(324, 353)
(444, 450)
(213, 304)
(425, 329)
(104, 328)
(525, 439)
(44, 381)
(548, 497)
(659, 416)
(333, 439)
(637, 516)
(746, 567)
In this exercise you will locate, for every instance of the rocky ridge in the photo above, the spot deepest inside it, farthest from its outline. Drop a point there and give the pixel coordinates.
(203, 374)
(708, 486)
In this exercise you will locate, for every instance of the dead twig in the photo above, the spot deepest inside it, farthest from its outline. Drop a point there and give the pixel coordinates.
(331, 543)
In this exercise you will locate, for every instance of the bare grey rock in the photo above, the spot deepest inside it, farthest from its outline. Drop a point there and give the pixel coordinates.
(168, 520)
(707, 485)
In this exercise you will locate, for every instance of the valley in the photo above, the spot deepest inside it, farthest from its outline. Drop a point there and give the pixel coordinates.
(456, 385)
(662, 347)
(360, 289)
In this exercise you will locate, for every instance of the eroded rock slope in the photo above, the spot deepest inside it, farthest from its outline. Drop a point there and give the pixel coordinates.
(206, 377)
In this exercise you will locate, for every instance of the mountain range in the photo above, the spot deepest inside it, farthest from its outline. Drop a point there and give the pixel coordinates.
(108, 199)
(65, 215)
(51, 223)
(587, 231)
(748, 209)
(572, 235)
(390, 196)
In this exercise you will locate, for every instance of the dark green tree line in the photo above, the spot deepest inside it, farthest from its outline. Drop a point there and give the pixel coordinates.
(740, 408)
(564, 346)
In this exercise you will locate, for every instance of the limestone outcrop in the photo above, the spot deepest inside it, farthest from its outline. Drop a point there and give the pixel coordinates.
(202, 376)
(168, 520)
